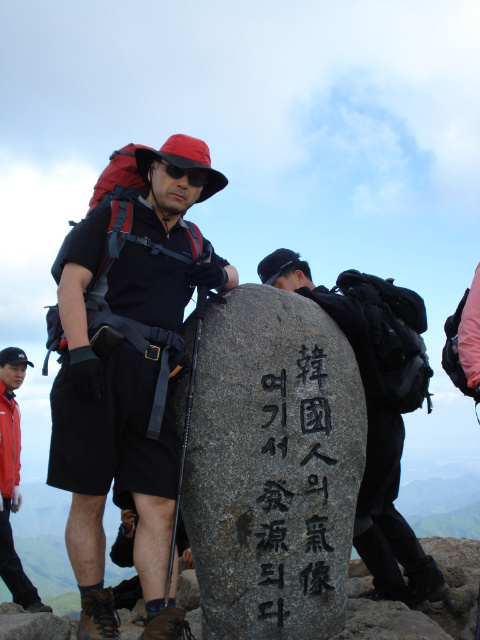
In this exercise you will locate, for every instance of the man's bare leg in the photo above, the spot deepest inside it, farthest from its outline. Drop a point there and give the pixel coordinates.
(151, 552)
(85, 538)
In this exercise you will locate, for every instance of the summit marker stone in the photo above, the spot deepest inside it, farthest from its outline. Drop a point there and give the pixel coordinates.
(275, 458)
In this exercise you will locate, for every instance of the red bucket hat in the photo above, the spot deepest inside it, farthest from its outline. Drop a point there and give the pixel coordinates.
(187, 153)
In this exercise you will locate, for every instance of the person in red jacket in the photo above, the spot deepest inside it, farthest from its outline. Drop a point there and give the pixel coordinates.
(13, 368)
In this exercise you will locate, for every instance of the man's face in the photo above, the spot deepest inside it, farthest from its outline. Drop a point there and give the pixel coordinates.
(288, 283)
(12, 376)
(174, 195)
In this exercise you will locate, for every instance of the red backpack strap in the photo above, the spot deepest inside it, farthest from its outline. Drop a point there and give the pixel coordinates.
(196, 239)
(121, 216)
(121, 219)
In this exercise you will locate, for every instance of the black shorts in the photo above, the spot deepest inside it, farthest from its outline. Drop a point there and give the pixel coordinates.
(95, 443)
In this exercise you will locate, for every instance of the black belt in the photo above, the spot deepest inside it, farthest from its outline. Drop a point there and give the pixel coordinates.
(140, 337)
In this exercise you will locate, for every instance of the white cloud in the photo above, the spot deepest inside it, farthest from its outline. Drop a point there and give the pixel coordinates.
(238, 79)
(313, 109)
(38, 203)
(388, 198)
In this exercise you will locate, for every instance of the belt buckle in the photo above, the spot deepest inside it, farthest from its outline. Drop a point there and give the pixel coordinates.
(158, 350)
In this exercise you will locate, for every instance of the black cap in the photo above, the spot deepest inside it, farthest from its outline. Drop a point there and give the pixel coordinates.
(13, 356)
(272, 266)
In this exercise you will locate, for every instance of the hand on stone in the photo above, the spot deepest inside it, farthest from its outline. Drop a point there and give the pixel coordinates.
(129, 521)
(188, 560)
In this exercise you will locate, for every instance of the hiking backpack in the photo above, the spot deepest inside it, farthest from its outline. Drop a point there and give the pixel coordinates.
(450, 357)
(118, 186)
(396, 317)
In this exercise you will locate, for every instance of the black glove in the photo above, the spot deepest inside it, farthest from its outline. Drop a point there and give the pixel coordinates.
(207, 274)
(86, 373)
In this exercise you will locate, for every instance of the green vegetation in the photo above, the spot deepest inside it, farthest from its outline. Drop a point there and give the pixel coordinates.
(46, 563)
(462, 523)
(45, 560)
(68, 604)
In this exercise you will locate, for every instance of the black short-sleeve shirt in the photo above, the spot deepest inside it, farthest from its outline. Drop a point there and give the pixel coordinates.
(149, 288)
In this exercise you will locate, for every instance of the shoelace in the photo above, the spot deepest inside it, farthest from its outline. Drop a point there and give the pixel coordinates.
(184, 627)
(106, 619)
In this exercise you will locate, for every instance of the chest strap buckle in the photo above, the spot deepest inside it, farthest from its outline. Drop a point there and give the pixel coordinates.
(153, 353)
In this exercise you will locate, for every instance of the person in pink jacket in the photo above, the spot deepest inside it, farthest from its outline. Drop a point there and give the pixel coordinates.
(13, 368)
(469, 336)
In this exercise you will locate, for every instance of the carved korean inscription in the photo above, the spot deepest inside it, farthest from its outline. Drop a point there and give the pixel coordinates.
(274, 531)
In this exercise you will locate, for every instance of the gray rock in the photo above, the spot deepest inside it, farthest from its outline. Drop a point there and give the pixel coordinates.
(275, 459)
(10, 608)
(188, 591)
(357, 586)
(194, 618)
(368, 620)
(32, 626)
(365, 620)
(129, 631)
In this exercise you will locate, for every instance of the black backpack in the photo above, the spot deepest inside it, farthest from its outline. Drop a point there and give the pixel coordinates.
(450, 357)
(396, 317)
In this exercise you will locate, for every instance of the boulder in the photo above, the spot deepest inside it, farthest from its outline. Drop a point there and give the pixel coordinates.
(454, 619)
(275, 458)
(30, 626)
(188, 592)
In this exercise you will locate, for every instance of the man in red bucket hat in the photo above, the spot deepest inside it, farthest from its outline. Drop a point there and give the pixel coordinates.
(184, 152)
(106, 391)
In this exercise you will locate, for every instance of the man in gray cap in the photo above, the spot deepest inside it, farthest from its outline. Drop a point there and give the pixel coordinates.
(13, 368)
(382, 537)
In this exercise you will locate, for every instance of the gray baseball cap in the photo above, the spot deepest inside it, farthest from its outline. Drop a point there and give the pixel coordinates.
(14, 356)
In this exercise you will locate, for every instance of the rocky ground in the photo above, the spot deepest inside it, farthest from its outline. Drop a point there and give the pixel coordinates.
(456, 619)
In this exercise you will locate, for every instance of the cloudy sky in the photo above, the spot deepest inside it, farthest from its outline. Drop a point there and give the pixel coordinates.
(349, 131)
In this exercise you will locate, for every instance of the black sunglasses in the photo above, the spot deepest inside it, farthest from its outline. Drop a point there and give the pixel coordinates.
(195, 178)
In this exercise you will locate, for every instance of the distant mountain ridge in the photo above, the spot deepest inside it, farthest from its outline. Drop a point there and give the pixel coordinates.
(422, 498)
(45, 511)
(435, 507)
(46, 563)
(38, 530)
(461, 523)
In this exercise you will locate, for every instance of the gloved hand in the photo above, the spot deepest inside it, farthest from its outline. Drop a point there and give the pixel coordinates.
(86, 373)
(17, 500)
(207, 274)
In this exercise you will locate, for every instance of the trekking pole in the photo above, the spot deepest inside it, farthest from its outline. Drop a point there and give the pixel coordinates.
(199, 314)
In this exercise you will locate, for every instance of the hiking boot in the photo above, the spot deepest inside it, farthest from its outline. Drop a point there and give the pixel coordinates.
(396, 595)
(98, 618)
(38, 607)
(430, 594)
(168, 625)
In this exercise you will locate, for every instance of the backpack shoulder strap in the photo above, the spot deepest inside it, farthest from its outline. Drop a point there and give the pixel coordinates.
(120, 225)
(121, 217)
(453, 322)
(196, 239)
(121, 220)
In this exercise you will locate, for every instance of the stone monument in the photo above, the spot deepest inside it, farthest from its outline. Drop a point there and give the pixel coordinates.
(275, 458)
